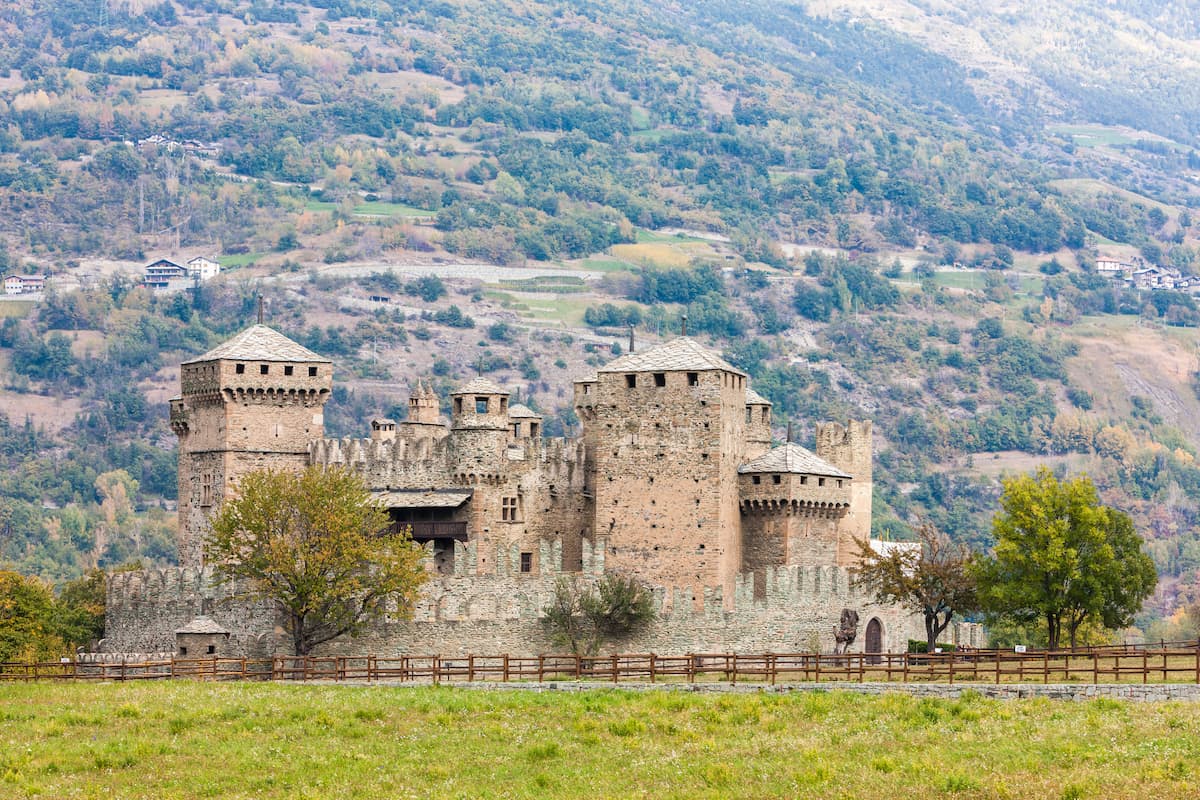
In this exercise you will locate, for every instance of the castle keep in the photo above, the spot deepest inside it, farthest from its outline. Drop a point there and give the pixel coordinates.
(673, 479)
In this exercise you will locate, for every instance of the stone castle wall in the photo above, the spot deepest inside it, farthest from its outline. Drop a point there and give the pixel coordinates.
(796, 610)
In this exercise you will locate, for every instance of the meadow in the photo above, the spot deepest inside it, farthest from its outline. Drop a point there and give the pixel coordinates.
(184, 739)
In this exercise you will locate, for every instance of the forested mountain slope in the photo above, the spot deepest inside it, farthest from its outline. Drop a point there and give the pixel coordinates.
(887, 209)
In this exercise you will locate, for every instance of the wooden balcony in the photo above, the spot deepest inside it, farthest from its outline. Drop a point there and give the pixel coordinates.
(425, 531)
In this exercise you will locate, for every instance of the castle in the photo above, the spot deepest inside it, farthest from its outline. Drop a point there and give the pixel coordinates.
(673, 480)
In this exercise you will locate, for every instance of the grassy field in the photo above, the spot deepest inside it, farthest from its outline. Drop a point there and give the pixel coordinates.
(373, 209)
(169, 740)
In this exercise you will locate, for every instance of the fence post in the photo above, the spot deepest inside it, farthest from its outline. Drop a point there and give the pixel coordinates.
(541, 667)
(1145, 666)
(470, 667)
(652, 673)
(691, 665)
(615, 667)
(1045, 666)
(504, 667)
(1095, 667)
(122, 669)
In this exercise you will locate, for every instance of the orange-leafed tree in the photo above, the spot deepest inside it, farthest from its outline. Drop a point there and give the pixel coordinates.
(313, 542)
(932, 576)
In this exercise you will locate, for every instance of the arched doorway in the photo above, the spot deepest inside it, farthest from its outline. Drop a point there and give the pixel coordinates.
(874, 642)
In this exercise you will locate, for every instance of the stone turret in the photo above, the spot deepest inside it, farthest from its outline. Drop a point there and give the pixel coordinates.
(849, 448)
(758, 424)
(424, 415)
(254, 402)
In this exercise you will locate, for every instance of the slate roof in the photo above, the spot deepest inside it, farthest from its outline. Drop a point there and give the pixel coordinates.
(755, 399)
(422, 498)
(482, 386)
(520, 411)
(792, 458)
(206, 625)
(591, 377)
(260, 343)
(676, 355)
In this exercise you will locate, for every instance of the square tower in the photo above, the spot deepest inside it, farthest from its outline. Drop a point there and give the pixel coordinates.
(667, 432)
(254, 402)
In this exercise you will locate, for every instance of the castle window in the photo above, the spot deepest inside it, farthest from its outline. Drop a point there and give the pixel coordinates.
(212, 649)
(526, 562)
(587, 388)
(458, 405)
(264, 369)
(776, 479)
(288, 370)
(206, 483)
(693, 378)
(240, 369)
(820, 481)
(765, 415)
(839, 483)
(803, 479)
(183, 651)
(749, 412)
(517, 429)
(660, 379)
(533, 429)
(631, 381)
(756, 479)
(503, 404)
(312, 372)
(481, 405)
(508, 509)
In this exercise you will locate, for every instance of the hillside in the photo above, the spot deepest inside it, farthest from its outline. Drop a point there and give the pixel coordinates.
(890, 210)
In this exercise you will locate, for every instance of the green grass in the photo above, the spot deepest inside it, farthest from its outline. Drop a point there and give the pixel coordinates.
(653, 237)
(1092, 135)
(239, 259)
(372, 209)
(187, 740)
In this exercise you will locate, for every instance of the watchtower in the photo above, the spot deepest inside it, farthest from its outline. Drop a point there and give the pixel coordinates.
(667, 429)
(254, 402)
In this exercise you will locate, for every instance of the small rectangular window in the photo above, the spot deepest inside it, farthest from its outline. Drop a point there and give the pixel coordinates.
(756, 479)
(803, 479)
(508, 509)
(212, 649)
(533, 429)
(516, 429)
(587, 388)
(288, 370)
(766, 415)
(458, 405)
(693, 378)
(820, 481)
(660, 379)
(264, 369)
(481, 404)
(240, 369)
(631, 381)
(503, 404)
(312, 372)
(776, 479)
(749, 418)
(526, 562)
(183, 651)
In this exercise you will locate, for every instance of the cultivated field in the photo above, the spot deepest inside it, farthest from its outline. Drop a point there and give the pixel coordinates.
(183, 739)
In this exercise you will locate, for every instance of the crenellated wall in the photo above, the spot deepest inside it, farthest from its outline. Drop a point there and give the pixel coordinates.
(501, 612)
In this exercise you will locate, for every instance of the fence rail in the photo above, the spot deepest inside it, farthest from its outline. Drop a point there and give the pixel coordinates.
(1168, 662)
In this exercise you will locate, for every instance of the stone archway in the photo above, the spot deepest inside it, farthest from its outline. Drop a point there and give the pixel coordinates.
(874, 639)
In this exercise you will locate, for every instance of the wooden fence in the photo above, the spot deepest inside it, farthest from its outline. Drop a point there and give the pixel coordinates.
(1174, 662)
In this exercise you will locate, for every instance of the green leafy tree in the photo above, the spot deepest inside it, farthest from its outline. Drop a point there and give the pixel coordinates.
(313, 543)
(584, 618)
(934, 578)
(27, 619)
(1063, 558)
(79, 610)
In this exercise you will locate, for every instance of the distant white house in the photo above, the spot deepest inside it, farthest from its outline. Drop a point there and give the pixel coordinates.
(202, 269)
(23, 284)
(1106, 265)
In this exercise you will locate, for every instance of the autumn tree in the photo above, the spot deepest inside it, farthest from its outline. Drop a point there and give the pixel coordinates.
(1063, 558)
(313, 543)
(932, 577)
(585, 617)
